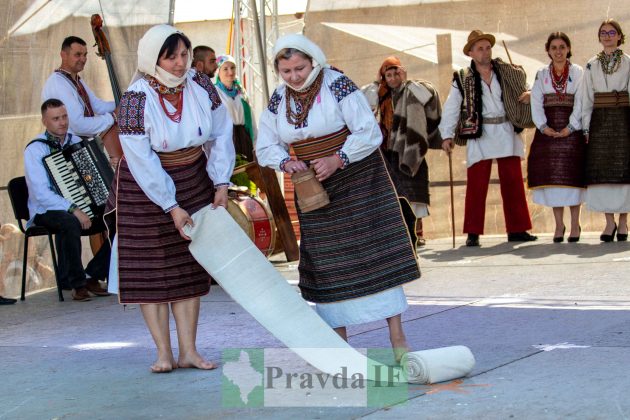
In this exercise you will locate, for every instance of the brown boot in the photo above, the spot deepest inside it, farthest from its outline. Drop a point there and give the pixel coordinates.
(81, 294)
(95, 288)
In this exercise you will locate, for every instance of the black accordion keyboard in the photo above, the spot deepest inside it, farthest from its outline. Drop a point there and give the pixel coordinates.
(81, 174)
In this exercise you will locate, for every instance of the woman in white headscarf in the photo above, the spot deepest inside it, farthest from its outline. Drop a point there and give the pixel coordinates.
(356, 252)
(234, 97)
(178, 157)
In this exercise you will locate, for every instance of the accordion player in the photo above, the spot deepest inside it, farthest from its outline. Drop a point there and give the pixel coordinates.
(81, 174)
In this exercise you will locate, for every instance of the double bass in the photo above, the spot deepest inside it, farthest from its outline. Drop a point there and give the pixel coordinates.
(110, 138)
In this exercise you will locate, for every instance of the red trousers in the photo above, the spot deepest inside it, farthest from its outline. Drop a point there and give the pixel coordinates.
(515, 208)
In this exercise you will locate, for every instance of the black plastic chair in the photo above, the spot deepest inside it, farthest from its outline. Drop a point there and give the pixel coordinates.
(18, 193)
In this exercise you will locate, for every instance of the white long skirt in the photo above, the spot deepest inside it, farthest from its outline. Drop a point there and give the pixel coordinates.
(608, 198)
(558, 196)
(370, 308)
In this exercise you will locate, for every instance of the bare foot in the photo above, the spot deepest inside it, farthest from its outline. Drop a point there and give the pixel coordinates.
(194, 360)
(400, 347)
(164, 365)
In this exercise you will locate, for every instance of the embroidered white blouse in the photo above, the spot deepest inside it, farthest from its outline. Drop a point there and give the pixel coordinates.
(497, 140)
(543, 85)
(200, 125)
(339, 103)
(235, 108)
(58, 86)
(595, 80)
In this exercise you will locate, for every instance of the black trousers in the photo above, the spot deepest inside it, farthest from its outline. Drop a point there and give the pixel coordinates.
(67, 230)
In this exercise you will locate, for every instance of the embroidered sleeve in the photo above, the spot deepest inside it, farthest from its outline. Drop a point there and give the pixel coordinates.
(204, 81)
(284, 162)
(131, 113)
(274, 102)
(344, 158)
(342, 87)
(335, 69)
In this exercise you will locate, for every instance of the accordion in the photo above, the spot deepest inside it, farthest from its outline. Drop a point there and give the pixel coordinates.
(81, 174)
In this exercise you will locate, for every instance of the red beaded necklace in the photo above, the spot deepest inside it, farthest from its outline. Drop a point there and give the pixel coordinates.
(175, 116)
(559, 82)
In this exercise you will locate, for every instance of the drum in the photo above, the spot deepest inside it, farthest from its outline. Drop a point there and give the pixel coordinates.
(255, 218)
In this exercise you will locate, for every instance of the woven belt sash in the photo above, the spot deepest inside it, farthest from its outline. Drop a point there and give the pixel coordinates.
(180, 157)
(611, 99)
(552, 99)
(495, 120)
(319, 147)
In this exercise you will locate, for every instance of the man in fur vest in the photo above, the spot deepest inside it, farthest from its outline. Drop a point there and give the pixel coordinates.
(475, 115)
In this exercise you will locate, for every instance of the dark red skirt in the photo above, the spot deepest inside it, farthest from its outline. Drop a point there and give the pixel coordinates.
(154, 263)
(557, 162)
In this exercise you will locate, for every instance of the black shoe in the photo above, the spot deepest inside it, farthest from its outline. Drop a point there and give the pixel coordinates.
(609, 238)
(521, 237)
(472, 240)
(558, 239)
(575, 238)
(622, 237)
(7, 301)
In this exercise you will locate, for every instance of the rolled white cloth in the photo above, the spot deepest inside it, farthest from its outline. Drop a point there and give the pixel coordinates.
(438, 365)
(228, 254)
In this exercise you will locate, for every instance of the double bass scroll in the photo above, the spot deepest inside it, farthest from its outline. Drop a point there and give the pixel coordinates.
(110, 137)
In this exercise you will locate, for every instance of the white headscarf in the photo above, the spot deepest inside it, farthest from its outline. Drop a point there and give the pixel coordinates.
(148, 53)
(302, 43)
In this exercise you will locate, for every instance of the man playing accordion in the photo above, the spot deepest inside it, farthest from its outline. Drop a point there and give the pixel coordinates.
(58, 214)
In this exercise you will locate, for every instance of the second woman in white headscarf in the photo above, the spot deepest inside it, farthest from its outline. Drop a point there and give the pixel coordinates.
(356, 252)
(234, 97)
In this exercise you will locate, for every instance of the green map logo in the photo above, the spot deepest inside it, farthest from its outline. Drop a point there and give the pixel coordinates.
(242, 378)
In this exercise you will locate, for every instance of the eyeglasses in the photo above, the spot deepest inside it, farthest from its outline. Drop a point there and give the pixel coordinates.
(610, 33)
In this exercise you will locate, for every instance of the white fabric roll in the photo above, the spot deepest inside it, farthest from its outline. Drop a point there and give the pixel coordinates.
(228, 254)
(438, 365)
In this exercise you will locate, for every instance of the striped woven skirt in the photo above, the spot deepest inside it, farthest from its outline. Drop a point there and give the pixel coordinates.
(154, 264)
(608, 148)
(357, 245)
(557, 161)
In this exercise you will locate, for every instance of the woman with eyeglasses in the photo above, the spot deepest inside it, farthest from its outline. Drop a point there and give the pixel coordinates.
(606, 125)
(555, 165)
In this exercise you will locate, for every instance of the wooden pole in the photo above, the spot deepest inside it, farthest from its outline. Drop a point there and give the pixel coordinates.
(445, 63)
(507, 52)
(450, 172)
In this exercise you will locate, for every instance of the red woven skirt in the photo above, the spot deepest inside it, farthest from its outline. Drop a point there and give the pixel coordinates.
(553, 161)
(154, 264)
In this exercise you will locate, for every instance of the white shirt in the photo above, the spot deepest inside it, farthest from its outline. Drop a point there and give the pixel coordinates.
(595, 80)
(497, 140)
(199, 126)
(42, 195)
(235, 108)
(330, 113)
(543, 85)
(58, 86)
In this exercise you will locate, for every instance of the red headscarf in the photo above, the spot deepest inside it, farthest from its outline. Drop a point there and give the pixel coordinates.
(384, 95)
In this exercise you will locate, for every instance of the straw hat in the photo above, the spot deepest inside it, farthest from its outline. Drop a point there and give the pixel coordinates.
(475, 36)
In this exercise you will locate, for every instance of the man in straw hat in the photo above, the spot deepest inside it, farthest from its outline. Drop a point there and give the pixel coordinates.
(475, 111)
